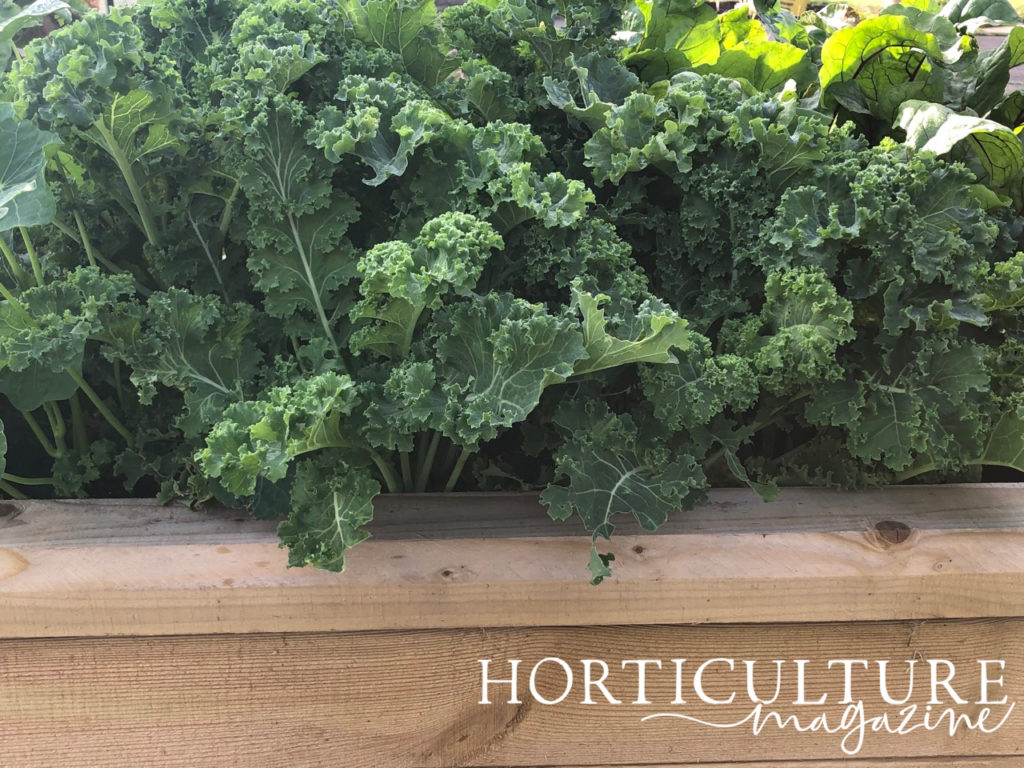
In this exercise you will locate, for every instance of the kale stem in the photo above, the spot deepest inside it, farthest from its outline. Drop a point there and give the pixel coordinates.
(57, 426)
(403, 457)
(78, 436)
(410, 331)
(449, 457)
(37, 430)
(427, 463)
(225, 217)
(13, 492)
(100, 405)
(295, 348)
(453, 478)
(713, 459)
(86, 242)
(931, 466)
(5, 292)
(19, 273)
(422, 438)
(209, 254)
(118, 388)
(64, 227)
(93, 257)
(9, 478)
(389, 477)
(913, 472)
(37, 270)
(128, 172)
(312, 285)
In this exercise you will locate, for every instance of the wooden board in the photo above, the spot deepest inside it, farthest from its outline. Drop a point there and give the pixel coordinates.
(405, 699)
(74, 569)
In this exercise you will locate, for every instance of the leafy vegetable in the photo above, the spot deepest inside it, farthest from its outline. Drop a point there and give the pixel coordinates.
(290, 254)
(25, 200)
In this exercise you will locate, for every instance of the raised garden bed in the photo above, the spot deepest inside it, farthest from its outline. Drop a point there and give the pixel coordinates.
(310, 260)
(145, 635)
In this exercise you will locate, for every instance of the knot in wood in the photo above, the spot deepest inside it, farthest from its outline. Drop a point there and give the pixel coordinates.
(893, 531)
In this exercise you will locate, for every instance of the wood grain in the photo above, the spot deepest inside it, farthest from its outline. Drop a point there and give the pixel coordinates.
(131, 569)
(409, 699)
(884, 762)
(74, 522)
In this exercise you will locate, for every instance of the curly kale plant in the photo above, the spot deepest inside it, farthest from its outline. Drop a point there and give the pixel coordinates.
(290, 254)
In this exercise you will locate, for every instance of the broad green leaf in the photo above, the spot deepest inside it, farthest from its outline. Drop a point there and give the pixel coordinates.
(301, 258)
(647, 334)
(837, 405)
(887, 57)
(488, 90)
(645, 131)
(994, 148)
(803, 324)
(889, 429)
(767, 491)
(1010, 111)
(784, 26)
(382, 124)
(328, 511)
(37, 383)
(737, 27)
(44, 335)
(133, 126)
(615, 468)
(946, 34)
(598, 565)
(699, 387)
(499, 354)
(849, 51)
(678, 35)
(1014, 46)
(25, 198)
(303, 262)
(929, 6)
(1005, 446)
(406, 27)
(958, 371)
(193, 344)
(981, 85)
(599, 83)
(765, 64)
(974, 14)
(928, 408)
(605, 482)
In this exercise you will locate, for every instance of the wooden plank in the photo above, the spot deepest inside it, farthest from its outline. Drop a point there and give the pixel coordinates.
(124, 569)
(411, 699)
(884, 762)
(74, 522)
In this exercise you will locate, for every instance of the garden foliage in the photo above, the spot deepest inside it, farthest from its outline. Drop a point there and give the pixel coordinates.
(289, 254)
